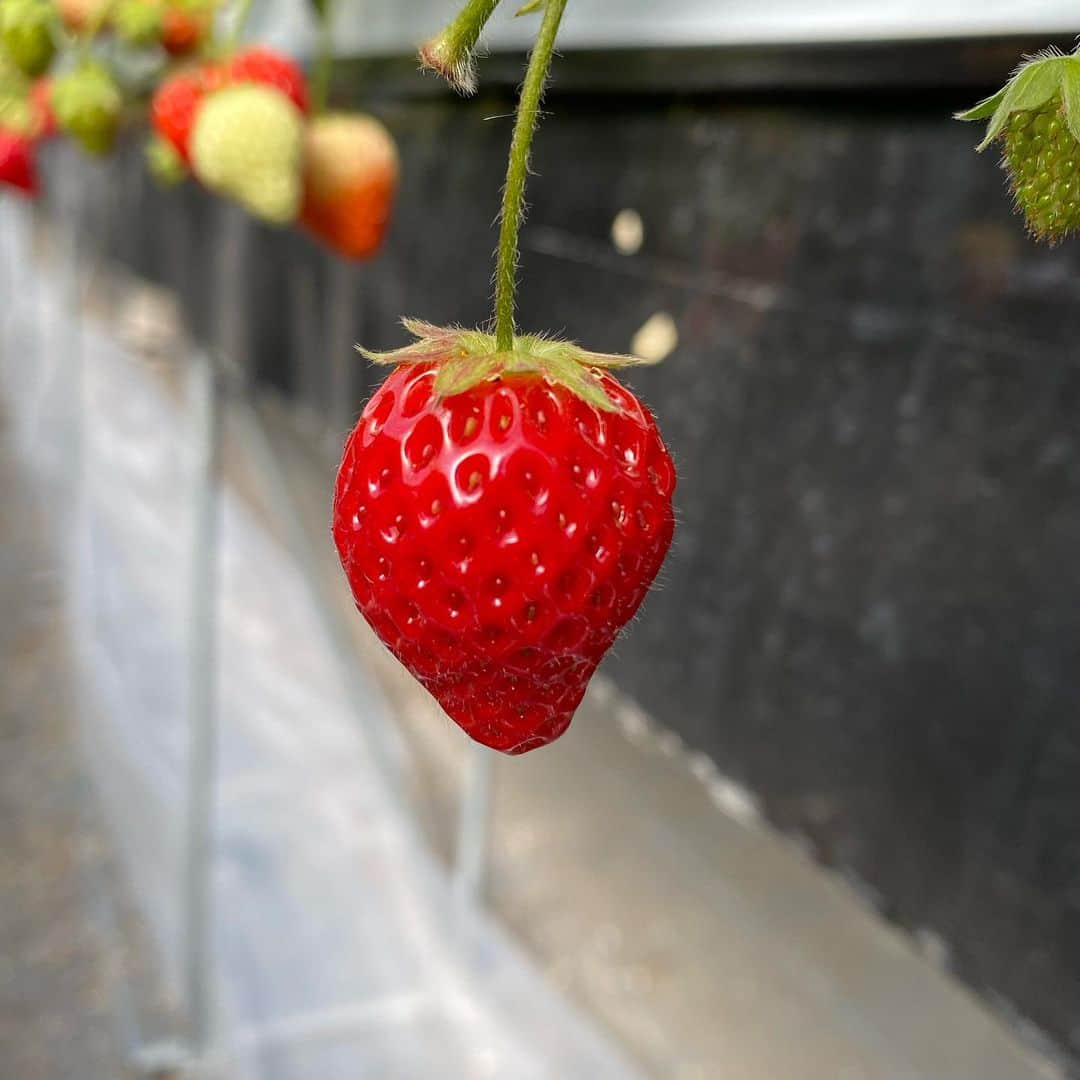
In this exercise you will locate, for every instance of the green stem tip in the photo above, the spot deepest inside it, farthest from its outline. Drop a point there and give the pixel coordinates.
(451, 53)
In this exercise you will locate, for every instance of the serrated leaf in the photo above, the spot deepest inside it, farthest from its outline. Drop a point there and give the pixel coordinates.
(985, 109)
(1033, 85)
(1070, 95)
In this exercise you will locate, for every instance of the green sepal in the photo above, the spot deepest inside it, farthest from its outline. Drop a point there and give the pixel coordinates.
(985, 109)
(1035, 82)
(1070, 95)
(466, 358)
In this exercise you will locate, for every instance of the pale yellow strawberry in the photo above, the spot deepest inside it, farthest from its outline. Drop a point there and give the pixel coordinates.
(247, 145)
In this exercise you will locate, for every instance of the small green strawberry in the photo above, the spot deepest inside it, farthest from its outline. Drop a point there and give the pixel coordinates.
(1037, 117)
(166, 165)
(137, 22)
(247, 144)
(26, 30)
(88, 103)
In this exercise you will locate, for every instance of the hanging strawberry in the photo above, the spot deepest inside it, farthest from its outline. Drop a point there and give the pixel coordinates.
(87, 104)
(350, 178)
(26, 33)
(1036, 115)
(247, 144)
(503, 504)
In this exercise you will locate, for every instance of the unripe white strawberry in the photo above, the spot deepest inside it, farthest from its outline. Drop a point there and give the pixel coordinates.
(247, 145)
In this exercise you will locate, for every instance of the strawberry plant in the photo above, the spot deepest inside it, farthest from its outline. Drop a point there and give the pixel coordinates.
(503, 504)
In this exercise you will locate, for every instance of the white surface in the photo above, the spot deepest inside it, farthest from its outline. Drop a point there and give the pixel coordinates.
(381, 27)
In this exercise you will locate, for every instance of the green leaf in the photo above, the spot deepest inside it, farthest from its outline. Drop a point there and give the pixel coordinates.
(1033, 85)
(1070, 95)
(985, 109)
(528, 9)
(319, 8)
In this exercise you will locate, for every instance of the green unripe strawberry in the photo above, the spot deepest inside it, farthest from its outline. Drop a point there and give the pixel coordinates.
(87, 103)
(138, 22)
(163, 160)
(26, 33)
(247, 145)
(1042, 157)
(1037, 117)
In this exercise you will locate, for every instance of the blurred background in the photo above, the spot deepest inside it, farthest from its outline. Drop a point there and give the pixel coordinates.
(817, 816)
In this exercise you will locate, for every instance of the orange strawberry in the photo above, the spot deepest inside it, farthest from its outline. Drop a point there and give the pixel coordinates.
(350, 177)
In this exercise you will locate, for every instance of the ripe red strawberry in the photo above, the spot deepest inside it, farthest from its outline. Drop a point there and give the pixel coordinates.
(500, 517)
(262, 65)
(17, 167)
(350, 177)
(176, 101)
(183, 30)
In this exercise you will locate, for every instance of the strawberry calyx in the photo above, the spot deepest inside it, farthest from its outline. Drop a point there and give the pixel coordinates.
(465, 358)
(1035, 82)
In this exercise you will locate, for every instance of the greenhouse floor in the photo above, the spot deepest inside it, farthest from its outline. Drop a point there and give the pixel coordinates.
(639, 917)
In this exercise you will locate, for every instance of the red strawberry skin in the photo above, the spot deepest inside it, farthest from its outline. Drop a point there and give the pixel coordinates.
(497, 541)
(17, 167)
(183, 31)
(266, 66)
(350, 179)
(176, 101)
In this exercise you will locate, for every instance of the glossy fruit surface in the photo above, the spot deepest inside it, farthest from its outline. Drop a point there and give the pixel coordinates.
(350, 178)
(499, 539)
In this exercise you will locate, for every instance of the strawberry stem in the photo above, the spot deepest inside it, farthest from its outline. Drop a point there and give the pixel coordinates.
(513, 206)
(243, 10)
(450, 52)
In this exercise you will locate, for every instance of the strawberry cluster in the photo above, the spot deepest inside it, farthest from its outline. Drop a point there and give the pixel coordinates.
(239, 122)
(243, 129)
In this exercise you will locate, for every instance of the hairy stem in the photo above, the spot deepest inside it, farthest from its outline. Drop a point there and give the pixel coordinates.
(528, 113)
(450, 52)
